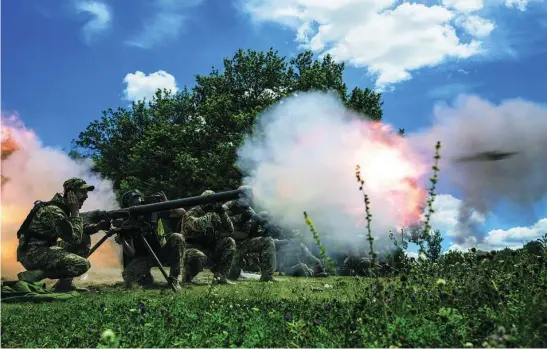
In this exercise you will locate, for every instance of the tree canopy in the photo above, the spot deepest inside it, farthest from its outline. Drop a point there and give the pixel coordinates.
(186, 142)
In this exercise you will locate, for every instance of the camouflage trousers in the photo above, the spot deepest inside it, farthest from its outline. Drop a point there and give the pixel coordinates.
(138, 269)
(354, 265)
(263, 247)
(220, 257)
(63, 261)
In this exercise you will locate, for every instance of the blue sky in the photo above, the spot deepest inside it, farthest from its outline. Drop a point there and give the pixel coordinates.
(64, 62)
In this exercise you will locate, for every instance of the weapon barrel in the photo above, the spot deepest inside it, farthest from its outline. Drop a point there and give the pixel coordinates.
(179, 203)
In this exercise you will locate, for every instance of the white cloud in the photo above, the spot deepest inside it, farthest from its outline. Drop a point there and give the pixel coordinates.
(101, 20)
(464, 5)
(519, 4)
(499, 239)
(476, 26)
(140, 85)
(164, 24)
(389, 37)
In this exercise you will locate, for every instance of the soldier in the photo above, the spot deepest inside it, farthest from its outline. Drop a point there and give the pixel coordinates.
(241, 213)
(293, 258)
(207, 230)
(40, 252)
(168, 246)
(355, 264)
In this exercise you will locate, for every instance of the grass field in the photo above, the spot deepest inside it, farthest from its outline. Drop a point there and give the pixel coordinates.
(456, 302)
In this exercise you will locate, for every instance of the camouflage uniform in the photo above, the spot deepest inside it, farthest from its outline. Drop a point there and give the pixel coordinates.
(168, 247)
(246, 245)
(207, 231)
(356, 265)
(293, 258)
(41, 253)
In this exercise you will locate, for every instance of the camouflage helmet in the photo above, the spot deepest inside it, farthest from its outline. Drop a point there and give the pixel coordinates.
(76, 183)
(129, 195)
(207, 192)
(247, 189)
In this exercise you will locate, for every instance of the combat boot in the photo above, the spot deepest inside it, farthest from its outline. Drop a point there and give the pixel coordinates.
(66, 285)
(188, 280)
(319, 271)
(268, 278)
(31, 276)
(221, 280)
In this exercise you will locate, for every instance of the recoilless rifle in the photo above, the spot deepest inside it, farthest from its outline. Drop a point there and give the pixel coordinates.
(143, 212)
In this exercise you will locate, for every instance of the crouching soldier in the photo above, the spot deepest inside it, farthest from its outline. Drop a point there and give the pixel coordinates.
(39, 250)
(168, 246)
(241, 213)
(207, 230)
(293, 257)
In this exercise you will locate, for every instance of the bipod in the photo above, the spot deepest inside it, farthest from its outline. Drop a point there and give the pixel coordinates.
(100, 242)
(158, 263)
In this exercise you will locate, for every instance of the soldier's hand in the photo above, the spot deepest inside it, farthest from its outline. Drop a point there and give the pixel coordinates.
(73, 203)
(163, 196)
(104, 224)
(218, 208)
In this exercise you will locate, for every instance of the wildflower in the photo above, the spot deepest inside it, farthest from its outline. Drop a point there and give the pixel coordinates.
(389, 300)
(108, 336)
(441, 282)
(142, 308)
(254, 309)
(91, 330)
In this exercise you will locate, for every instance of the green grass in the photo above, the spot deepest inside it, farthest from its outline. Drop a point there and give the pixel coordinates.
(497, 303)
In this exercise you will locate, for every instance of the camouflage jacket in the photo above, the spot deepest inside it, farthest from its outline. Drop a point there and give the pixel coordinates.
(241, 219)
(53, 222)
(203, 228)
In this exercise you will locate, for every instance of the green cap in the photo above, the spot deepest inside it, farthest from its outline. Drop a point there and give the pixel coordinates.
(77, 183)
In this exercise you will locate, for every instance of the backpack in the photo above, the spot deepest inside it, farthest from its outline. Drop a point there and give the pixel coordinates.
(26, 223)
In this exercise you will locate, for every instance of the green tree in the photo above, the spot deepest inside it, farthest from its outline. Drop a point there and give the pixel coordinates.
(186, 142)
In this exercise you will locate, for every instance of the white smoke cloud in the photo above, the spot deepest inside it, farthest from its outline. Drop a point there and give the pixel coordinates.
(302, 157)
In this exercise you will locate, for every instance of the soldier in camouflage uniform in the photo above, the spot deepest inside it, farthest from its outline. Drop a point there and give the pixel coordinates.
(293, 258)
(263, 247)
(207, 230)
(167, 245)
(39, 250)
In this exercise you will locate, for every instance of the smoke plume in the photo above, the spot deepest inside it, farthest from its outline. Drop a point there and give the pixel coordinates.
(472, 126)
(33, 172)
(302, 156)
